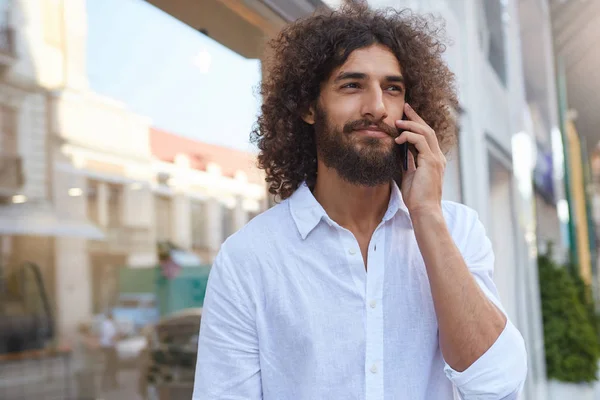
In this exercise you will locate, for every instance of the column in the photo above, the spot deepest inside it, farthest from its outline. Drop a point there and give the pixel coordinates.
(73, 292)
(180, 227)
(214, 226)
(240, 216)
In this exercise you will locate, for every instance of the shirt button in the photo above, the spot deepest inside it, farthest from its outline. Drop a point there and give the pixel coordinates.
(352, 252)
(374, 369)
(373, 304)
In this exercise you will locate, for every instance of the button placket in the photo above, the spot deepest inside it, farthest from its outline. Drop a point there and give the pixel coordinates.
(350, 247)
(374, 295)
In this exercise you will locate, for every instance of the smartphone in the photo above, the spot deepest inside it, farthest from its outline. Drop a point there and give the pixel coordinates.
(405, 156)
(406, 147)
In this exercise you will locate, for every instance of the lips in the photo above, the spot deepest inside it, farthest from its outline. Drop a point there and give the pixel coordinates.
(372, 127)
(373, 132)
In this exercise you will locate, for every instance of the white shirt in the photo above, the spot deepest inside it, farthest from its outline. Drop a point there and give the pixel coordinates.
(291, 313)
(108, 332)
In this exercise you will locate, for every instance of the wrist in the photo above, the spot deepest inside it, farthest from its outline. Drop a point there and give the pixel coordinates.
(426, 211)
(429, 217)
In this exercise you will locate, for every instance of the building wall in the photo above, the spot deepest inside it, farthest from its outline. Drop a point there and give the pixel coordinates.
(71, 137)
(20, 89)
(103, 142)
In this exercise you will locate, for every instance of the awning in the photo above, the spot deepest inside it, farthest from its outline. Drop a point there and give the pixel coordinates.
(41, 220)
(576, 29)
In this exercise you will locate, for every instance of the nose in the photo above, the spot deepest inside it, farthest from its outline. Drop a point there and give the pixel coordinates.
(373, 105)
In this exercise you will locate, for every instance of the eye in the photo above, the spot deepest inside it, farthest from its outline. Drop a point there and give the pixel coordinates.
(394, 88)
(351, 85)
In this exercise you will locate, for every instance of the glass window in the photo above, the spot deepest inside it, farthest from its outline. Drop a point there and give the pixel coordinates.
(495, 47)
(115, 198)
(92, 201)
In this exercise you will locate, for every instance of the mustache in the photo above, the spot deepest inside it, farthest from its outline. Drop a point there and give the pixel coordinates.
(365, 124)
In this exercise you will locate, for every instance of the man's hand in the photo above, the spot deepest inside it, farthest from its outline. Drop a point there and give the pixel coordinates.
(469, 323)
(421, 186)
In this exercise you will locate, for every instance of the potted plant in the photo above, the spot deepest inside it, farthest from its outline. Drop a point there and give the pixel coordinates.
(570, 331)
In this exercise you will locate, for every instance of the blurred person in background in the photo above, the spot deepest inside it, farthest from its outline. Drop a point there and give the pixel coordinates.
(108, 345)
(362, 283)
(85, 361)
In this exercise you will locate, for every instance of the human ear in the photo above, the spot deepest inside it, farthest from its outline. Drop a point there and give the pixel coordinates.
(309, 116)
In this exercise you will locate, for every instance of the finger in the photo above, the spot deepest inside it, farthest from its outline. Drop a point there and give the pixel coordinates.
(412, 166)
(417, 140)
(412, 114)
(421, 129)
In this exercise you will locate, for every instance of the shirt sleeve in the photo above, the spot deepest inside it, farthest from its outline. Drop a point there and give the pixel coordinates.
(499, 374)
(228, 360)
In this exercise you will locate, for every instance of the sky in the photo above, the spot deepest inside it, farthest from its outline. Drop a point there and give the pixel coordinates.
(187, 83)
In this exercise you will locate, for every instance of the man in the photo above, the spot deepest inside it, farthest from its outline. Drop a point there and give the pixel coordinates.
(351, 287)
(108, 343)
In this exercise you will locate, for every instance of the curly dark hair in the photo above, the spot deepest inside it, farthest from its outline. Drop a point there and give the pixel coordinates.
(306, 52)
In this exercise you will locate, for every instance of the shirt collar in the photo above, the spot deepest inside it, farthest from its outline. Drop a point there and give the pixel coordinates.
(307, 212)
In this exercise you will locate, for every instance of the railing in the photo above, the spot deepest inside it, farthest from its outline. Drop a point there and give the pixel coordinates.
(124, 239)
(24, 325)
(46, 331)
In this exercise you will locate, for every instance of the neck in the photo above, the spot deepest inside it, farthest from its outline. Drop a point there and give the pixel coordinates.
(356, 208)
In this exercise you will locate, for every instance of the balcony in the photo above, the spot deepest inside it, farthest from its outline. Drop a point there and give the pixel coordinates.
(11, 174)
(120, 240)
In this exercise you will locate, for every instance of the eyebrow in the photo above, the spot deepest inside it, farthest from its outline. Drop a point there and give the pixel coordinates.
(362, 76)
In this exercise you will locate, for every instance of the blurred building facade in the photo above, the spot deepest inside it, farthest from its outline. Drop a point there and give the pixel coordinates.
(87, 185)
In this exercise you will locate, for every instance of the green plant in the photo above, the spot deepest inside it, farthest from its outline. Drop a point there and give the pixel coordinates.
(584, 292)
(570, 324)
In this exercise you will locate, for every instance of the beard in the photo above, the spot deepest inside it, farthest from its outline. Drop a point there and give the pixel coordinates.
(371, 163)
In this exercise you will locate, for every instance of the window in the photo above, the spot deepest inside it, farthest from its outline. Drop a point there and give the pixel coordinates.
(115, 198)
(92, 201)
(198, 224)
(6, 35)
(492, 36)
(8, 130)
(162, 206)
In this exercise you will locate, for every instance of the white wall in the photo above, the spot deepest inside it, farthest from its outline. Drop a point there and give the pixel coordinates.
(72, 285)
(72, 264)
